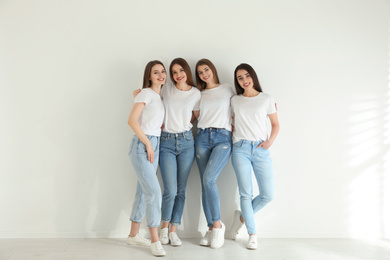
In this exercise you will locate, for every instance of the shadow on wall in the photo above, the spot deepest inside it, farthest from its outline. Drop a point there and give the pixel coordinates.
(94, 187)
(370, 157)
(367, 200)
(386, 154)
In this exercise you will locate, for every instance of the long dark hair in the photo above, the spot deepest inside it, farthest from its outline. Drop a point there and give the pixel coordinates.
(252, 73)
(200, 83)
(183, 63)
(148, 71)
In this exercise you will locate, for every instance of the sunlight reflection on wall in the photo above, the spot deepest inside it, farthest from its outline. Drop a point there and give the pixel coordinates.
(386, 170)
(386, 157)
(366, 190)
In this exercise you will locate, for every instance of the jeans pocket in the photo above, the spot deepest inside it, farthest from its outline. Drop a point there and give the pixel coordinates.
(188, 136)
(141, 148)
(164, 138)
(224, 132)
(264, 150)
(132, 144)
(238, 144)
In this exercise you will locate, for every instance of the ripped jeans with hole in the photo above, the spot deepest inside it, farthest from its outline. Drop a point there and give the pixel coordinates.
(212, 151)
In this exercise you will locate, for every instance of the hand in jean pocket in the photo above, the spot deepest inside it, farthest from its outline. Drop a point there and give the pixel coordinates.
(266, 145)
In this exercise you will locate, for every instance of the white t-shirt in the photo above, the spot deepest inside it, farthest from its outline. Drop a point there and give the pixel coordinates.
(215, 107)
(152, 116)
(250, 116)
(178, 108)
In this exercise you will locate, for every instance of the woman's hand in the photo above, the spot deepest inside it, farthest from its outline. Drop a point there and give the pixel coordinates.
(150, 151)
(266, 144)
(136, 92)
(274, 132)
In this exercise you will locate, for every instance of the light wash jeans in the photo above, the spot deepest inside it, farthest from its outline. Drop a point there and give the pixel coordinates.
(213, 148)
(176, 158)
(246, 156)
(148, 193)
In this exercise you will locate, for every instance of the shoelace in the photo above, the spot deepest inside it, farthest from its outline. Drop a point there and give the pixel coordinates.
(216, 234)
(143, 239)
(165, 234)
(175, 237)
(159, 246)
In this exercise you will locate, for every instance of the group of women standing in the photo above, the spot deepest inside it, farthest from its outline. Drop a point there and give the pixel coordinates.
(219, 111)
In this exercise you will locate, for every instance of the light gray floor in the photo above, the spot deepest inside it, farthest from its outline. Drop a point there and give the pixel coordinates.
(274, 249)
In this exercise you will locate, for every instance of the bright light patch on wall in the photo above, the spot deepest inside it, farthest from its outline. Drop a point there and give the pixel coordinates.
(365, 191)
(386, 195)
(386, 157)
(365, 206)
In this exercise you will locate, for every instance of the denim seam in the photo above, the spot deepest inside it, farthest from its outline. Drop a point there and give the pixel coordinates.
(140, 168)
(219, 169)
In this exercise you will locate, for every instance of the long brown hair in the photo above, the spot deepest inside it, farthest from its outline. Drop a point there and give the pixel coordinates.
(252, 73)
(183, 63)
(200, 83)
(148, 71)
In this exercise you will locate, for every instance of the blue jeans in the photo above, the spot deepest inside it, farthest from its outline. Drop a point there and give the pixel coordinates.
(213, 148)
(246, 156)
(148, 194)
(176, 158)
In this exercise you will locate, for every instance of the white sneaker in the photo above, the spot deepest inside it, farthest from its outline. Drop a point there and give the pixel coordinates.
(218, 237)
(157, 249)
(138, 240)
(236, 225)
(252, 242)
(164, 236)
(206, 240)
(174, 239)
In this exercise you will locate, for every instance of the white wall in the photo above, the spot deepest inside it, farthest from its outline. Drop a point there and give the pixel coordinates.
(68, 69)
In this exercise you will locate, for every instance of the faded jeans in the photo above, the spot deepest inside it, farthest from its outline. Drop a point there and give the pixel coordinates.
(148, 194)
(176, 158)
(245, 157)
(213, 148)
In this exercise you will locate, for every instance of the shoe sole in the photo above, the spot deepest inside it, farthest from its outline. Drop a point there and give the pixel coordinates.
(135, 244)
(158, 255)
(217, 246)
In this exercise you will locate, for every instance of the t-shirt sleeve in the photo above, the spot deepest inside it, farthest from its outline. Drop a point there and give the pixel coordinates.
(143, 97)
(163, 90)
(272, 105)
(232, 106)
(232, 90)
(197, 103)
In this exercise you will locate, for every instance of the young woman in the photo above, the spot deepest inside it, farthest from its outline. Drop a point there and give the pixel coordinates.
(181, 102)
(213, 145)
(145, 120)
(251, 109)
